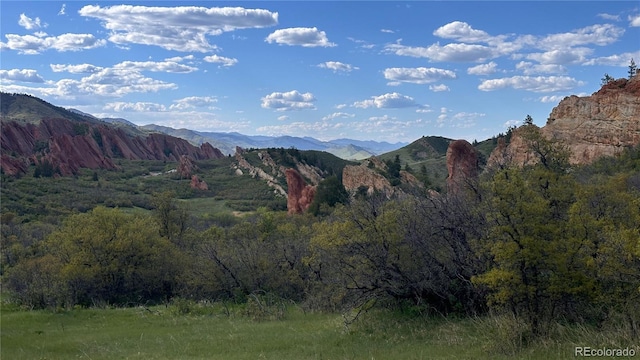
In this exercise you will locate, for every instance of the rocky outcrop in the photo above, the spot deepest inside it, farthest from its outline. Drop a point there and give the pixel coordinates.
(356, 176)
(186, 167)
(299, 194)
(462, 164)
(603, 124)
(198, 184)
(72, 145)
(258, 172)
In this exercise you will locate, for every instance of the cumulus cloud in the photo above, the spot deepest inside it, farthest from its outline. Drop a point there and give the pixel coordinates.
(528, 68)
(182, 28)
(31, 45)
(287, 101)
(155, 66)
(29, 23)
(134, 107)
(483, 69)
(337, 115)
(223, 61)
(455, 52)
(419, 75)
(194, 102)
(301, 36)
(337, 66)
(387, 101)
(461, 31)
(562, 56)
(601, 34)
(22, 75)
(438, 88)
(634, 20)
(614, 60)
(75, 69)
(529, 83)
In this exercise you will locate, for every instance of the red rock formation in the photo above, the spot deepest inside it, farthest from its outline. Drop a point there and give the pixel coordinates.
(299, 194)
(603, 124)
(462, 164)
(353, 177)
(196, 183)
(71, 145)
(185, 167)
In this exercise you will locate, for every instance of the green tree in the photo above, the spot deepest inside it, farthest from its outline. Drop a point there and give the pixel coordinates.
(108, 256)
(528, 120)
(606, 79)
(170, 216)
(330, 192)
(633, 69)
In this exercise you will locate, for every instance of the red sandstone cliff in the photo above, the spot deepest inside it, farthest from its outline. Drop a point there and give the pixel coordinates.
(602, 124)
(299, 194)
(462, 164)
(71, 145)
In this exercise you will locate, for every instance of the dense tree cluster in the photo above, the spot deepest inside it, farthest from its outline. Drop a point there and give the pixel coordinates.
(545, 242)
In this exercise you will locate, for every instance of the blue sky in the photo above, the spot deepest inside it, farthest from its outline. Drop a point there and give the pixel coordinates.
(386, 71)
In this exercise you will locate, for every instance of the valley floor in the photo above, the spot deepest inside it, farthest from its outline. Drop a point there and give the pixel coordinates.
(229, 332)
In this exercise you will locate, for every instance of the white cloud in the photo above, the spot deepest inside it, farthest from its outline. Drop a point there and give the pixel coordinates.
(180, 58)
(461, 31)
(528, 68)
(451, 52)
(182, 28)
(223, 61)
(337, 115)
(609, 16)
(387, 31)
(22, 75)
(529, 83)
(387, 101)
(306, 37)
(134, 107)
(614, 60)
(283, 117)
(562, 56)
(551, 98)
(194, 102)
(419, 75)
(63, 9)
(287, 101)
(337, 66)
(601, 34)
(483, 69)
(155, 66)
(29, 23)
(634, 20)
(31, 45)
(438, 88)
(75, 69)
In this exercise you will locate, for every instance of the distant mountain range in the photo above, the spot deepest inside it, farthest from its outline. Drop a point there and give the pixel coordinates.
(348, 149)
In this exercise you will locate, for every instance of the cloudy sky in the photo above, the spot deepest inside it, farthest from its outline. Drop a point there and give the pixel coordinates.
(386, 71)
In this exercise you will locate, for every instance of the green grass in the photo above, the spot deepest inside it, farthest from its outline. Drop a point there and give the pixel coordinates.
(219, 332)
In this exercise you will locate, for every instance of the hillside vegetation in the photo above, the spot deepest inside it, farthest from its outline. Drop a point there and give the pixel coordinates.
(540, 247)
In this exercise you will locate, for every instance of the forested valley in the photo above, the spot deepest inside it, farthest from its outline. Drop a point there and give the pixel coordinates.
(533, 246)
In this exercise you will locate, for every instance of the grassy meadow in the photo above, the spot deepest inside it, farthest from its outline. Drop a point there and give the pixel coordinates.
(218, 331)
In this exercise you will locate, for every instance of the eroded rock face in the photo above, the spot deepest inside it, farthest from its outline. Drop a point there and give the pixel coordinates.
(602, 124)
(198, 184)
(299, 194)
(185, 167)
(355, 176)
(71, 145)
(462, 164)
